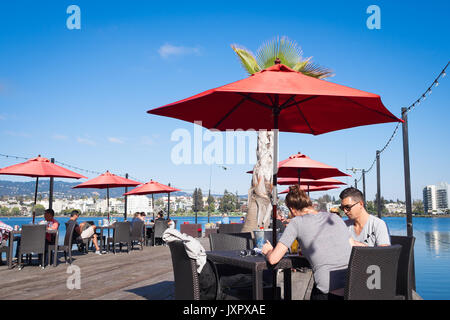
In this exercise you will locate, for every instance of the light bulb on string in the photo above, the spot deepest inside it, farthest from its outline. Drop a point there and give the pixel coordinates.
(436, 83)
(444, 74)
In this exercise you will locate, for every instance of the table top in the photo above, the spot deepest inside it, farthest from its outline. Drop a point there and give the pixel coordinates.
(257, 262)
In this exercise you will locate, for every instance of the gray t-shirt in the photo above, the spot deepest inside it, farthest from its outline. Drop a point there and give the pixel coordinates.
(374, 232)
(324, 241)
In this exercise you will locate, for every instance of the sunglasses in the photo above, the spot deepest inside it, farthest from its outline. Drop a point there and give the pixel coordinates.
(348, 207)
(245, 253)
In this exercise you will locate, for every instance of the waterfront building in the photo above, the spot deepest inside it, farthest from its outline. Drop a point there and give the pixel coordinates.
(436, 198)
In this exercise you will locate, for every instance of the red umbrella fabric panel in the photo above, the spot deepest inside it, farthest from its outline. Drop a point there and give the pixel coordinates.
(312, 188)
(40, 167)
(151, 187)
(108, 180)
(310, 182)
(307, 105)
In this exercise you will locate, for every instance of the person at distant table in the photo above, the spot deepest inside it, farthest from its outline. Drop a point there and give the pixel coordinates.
(365, 229)
(4, 231)
(52, 224)
(83, 231)
(225, 219)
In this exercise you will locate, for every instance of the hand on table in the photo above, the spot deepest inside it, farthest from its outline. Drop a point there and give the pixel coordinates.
(267, 247)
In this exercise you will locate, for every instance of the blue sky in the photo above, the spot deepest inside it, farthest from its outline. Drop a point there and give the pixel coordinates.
(81, 96)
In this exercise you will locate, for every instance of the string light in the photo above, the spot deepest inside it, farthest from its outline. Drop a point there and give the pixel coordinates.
(411, 107)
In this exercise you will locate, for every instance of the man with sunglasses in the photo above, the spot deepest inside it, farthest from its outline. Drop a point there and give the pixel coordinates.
(365, 229)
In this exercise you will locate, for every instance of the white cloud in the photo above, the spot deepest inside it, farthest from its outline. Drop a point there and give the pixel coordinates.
(86, 141)
(57, 136)
(115, 140)
(17, 134)
(168, 50)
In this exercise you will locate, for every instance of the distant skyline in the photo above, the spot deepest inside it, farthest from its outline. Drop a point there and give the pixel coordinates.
(81, 96)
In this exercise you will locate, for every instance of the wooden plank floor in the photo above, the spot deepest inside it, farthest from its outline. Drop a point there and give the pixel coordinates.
(140, 275)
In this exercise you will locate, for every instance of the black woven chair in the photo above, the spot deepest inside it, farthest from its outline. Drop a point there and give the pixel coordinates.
(67, 246)
(137, 233)
(187, 285)
(405, 274)
(158, 229)
(122, 235)
(32, 241)
(230, 227)
(231, 241)
(372, 273)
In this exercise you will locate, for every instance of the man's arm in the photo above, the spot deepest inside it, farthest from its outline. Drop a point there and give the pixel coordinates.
(274, 255)
(355, 243)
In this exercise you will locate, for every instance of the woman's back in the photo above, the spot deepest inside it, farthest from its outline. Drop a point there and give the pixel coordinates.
(324, 241)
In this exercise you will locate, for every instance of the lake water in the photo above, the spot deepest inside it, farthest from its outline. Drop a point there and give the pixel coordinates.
(432, 248)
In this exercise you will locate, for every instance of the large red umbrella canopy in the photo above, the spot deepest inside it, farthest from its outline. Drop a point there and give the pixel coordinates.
(40, 167)
(151, 187)
(108, 180)
(305, 104)
(310, 182)
(312, 188)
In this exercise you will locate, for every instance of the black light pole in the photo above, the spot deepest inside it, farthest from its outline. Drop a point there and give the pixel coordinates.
(50, 194)
(168, 204)
(409, 224)
(364, 185)
(356, 184)
(378, 185)
(126, 200)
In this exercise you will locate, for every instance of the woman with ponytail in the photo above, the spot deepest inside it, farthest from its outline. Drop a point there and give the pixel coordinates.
(324, 240)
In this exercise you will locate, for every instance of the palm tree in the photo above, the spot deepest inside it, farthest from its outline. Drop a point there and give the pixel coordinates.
(288, 53)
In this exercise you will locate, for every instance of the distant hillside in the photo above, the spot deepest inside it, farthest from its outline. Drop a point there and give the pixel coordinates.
(62, 189)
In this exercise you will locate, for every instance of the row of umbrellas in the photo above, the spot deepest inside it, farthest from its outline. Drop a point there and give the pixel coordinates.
(40, 167)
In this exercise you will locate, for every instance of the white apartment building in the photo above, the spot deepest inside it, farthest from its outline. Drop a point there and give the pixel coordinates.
(436, 198)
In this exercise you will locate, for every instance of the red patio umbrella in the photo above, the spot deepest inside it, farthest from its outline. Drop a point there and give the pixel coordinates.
(106, 181)
(279, 98)
(313, 188)
(310, 182)
(39, 167)
(153, 187)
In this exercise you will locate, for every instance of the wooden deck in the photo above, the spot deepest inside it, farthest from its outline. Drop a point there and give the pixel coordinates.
(140, 275)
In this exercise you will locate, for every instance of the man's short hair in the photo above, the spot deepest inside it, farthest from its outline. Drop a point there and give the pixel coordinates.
(143, 214)
(50, 211)
(75, 213)
(353, 193)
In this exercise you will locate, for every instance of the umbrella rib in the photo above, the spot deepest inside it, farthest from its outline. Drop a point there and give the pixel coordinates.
(256, 101)
(304, 118)
(230, 112)
(286, 102)
(296, 103)
(365, 107)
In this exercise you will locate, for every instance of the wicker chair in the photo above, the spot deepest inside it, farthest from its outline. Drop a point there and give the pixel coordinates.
(231, 241)
(405, 274)
(67, 246)
(137, 233)
(32, 241)
(121, 235)
(191, 229)
(230, 227)
(158, 229)
(372, 273)
(187, 285)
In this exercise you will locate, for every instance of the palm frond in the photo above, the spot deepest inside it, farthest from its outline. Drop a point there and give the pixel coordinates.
(247, 59)
(313, 70)
(283, 48)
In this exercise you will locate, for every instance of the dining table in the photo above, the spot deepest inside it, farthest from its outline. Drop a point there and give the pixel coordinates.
(14, 235)
(102, 237)
(257, 264)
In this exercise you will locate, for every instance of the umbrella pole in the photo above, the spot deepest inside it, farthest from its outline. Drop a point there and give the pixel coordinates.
(126, 202)
(50, 192)
(107, 204)
(276, 112)
(35, 198)
(153, 207)
(168, 204)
